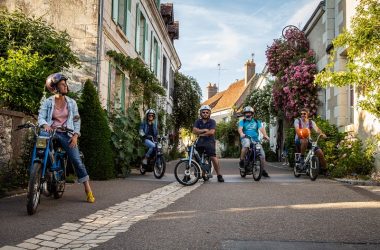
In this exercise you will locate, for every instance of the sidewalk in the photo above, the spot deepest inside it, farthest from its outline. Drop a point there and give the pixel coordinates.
(343, 180)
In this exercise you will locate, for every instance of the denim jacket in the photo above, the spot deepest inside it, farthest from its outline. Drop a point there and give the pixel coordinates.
(45, 114)
(144, 128)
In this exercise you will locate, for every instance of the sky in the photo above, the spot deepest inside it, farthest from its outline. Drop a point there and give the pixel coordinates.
(227, 32)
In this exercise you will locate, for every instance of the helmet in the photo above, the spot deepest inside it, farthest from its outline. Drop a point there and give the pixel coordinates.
(205, 107)
(248, 109)
(53, 79)
(150, 111)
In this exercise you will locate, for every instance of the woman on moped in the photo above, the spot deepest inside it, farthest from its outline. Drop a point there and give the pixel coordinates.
(149, 132)
(60, 110)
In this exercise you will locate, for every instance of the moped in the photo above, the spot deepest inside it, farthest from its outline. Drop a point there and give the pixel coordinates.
(252, 161)
(47, 171)
(156, 162)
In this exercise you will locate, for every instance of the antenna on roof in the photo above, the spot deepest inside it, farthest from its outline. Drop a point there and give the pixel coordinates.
(253, 56)
(219, 69)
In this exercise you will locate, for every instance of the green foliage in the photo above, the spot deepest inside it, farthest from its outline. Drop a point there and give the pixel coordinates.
(226, 133)
(30, 49)
(20, 80)
(269, 154)
(144, 84)
(126, 141)
(186, 98)
(95, 135)
(261, 100)
(363, 58)
(344, 155)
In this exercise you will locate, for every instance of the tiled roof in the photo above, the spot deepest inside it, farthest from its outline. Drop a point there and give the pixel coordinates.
(213, 100)
(228, 98)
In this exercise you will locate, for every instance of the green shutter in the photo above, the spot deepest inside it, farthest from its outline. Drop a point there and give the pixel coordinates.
(129, 20)
(109, 87)
(115, 10)
(122, 94)
(137, 33)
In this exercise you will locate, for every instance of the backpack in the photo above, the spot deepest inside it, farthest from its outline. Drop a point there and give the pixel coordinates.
(300, 124)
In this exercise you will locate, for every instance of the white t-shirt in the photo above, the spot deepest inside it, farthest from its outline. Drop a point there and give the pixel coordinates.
(304, 125)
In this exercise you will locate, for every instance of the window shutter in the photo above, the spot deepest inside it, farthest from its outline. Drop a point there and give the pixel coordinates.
(115, 10)
(137, 38)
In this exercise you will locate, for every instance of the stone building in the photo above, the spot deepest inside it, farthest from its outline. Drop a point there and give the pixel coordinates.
(339, 104)
(137, 28)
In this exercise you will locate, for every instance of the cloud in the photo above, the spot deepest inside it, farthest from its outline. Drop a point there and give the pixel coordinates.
(300, 17)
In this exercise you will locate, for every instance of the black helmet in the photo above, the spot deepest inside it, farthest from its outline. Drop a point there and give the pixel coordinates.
(53, 79)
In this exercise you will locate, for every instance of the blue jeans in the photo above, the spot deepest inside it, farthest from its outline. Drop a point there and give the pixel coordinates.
(151, 147)
(74, 156)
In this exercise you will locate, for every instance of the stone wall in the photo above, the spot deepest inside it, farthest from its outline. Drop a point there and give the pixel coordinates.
(10, 140)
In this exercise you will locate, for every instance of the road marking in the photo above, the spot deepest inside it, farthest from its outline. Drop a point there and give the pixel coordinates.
(105, 224)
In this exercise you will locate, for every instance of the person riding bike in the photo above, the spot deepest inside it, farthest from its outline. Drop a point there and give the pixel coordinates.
(60, 110)
(251, 127)
(303, 126)
(149, 132)
(205, 128)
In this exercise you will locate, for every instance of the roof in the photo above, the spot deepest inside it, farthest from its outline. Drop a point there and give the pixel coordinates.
(228, 98)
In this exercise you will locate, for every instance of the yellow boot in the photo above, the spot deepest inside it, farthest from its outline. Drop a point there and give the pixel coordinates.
(90, 197)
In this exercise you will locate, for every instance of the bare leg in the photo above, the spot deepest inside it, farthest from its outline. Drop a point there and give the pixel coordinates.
(215, 162)
(304, 143)
(321, 157)
(242, 153)
(87, 187)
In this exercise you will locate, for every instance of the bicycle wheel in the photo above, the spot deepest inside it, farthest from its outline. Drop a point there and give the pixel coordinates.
(187, 174)
(34, 189)
(314, 168)
(295, 172)
(257, 169)
(159, 167)
(59, 182)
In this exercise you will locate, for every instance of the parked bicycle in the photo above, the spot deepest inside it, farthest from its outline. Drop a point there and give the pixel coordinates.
(197, 165)
(156, 162)
(310, 166)
(252, 161)
(47, 171)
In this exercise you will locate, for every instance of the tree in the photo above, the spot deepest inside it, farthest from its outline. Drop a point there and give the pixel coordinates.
(95, 135)
(363, 57)
(30, 50)
(261, 100)
(186, 99)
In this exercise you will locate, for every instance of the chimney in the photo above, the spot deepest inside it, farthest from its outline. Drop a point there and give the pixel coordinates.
(249, 70)
(212, 89)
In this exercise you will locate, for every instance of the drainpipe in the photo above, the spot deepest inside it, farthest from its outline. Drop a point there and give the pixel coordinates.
(99, 46)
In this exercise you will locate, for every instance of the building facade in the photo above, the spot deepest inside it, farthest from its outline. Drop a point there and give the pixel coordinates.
(339, 104)
(135, 28)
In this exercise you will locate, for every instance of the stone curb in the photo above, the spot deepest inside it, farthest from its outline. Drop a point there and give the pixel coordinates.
(357, 182)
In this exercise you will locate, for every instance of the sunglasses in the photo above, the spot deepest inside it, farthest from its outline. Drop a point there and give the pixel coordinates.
(303, 113)
(206, 113)
(151, 115)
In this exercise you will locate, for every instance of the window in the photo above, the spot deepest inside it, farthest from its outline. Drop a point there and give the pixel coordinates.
(116, 89)
(141, 34)
(352, 100)
(121, 14)
(164, 72)
(154, 56)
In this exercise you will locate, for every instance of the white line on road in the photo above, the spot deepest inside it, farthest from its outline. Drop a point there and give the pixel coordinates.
(105, 224)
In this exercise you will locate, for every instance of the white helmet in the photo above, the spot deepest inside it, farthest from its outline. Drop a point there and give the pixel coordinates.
(204, 107)
(150, 111)
(248, 109)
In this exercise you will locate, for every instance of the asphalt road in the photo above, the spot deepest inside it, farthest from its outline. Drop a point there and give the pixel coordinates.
(280, 212)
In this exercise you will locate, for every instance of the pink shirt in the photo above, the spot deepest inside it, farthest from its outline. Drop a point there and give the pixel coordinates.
(60, 116)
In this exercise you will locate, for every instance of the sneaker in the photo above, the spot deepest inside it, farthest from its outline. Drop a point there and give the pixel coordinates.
(90, 197)
(220, 178)
(265, 173)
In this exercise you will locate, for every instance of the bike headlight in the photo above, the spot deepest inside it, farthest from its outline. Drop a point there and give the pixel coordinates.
(159, 145)
(41, 142)
(258, 147)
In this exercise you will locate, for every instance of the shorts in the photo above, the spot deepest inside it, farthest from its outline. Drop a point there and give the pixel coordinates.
(245, 143)
(207, 147)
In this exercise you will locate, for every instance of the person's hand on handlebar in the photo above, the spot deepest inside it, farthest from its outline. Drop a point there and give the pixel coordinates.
(47, 128)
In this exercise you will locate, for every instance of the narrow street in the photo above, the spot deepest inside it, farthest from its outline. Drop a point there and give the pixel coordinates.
(140, 212)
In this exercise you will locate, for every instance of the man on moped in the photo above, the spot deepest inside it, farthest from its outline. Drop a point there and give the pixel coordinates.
(303, 126)
(251, 127)
(149, 132)
(205, 128)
